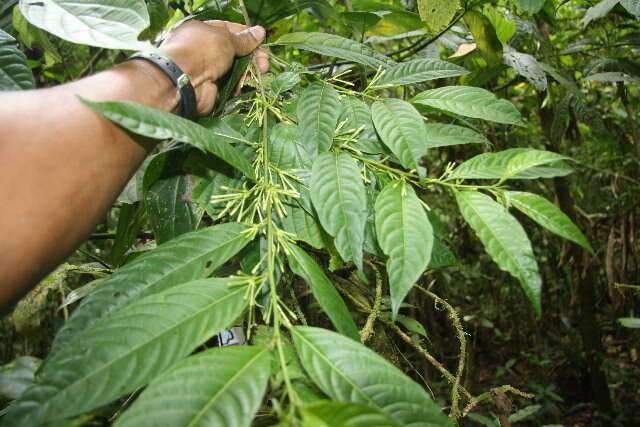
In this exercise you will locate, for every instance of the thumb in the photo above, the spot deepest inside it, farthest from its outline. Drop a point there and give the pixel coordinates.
(248, 40)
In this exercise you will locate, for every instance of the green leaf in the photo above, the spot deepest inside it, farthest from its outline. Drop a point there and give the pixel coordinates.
(210, 177)
(524, 413)
(527, 66)
(266, 13)
(5, 14)
(111, 24)
(630, 322)
(17, 376)
(598, 11)
(326, 294)
(188, 257)
(485, 36)
(441, 256)
(339, 47)
(158, 16)
(402, 130)
(170, 211)
(486, 421)
(338, 194)
(589, 116)
(6, 37)
(238, 70)
(504, 239)
(340, 414)
(361, 21)
(31, 35)
(530, 6)
(152, 123)
(504, 25)
(357, 115)
(289, 150)
(547, 215)
(347, 371)
(376, 6)
(302, 225)
(530, 159)
(158, 331)
(495, 165)
(611, 76)
(419, 70)
(318, 111)
(131, 219)
(284, 82)
(632, 6)
(15, 74)
(561, 78)
(222, 386)
(395, 23)
(441, 135)
(412, 325)
(560, 118)
(471, 101)
(437, 13)
(405, 235)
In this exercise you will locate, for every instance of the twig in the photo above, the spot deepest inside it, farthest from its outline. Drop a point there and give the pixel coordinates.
(426, 43)
(245, 14)
(453, 315)
(91, 63)
(95, 258)
(367, 330)
(424, 353)
(410, 47)
(296, 306)
(505, 388)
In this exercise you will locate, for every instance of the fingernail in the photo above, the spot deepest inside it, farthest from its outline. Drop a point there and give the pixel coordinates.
(257, 32)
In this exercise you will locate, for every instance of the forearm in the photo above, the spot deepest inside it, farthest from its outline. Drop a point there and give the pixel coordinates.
(62, 165)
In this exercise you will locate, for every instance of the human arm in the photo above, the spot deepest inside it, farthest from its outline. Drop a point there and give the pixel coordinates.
(62, 165)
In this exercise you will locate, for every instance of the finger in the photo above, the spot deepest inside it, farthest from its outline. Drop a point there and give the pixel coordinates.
(216, 23)
(246, 41)
(234, 27)
(261, 58)
(206, 95)
(240, 84)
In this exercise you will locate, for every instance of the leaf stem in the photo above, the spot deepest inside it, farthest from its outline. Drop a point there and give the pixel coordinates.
(270, 194)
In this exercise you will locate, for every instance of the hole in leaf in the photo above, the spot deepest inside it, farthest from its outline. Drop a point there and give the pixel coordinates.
(208, 264)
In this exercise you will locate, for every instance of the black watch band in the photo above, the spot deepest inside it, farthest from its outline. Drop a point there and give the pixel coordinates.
(187, 105)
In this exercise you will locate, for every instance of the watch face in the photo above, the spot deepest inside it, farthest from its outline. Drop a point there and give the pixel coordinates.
(183, 80)
(233, 336)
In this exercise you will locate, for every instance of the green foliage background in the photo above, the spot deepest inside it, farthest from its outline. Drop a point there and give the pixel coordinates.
(401, 177)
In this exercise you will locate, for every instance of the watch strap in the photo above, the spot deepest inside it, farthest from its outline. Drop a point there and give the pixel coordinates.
(181, 80)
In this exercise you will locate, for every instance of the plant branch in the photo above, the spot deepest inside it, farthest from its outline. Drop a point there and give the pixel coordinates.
(92, 62)
(484, 396)
(428, 357)
(427, 42)
(367, 330)
(453, 315)
(422, 351)
(268, 196)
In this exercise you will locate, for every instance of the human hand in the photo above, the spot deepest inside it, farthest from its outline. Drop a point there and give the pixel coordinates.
(206, 50)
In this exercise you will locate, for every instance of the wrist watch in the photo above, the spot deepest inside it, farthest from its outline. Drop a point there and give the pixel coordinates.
(186, 93)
